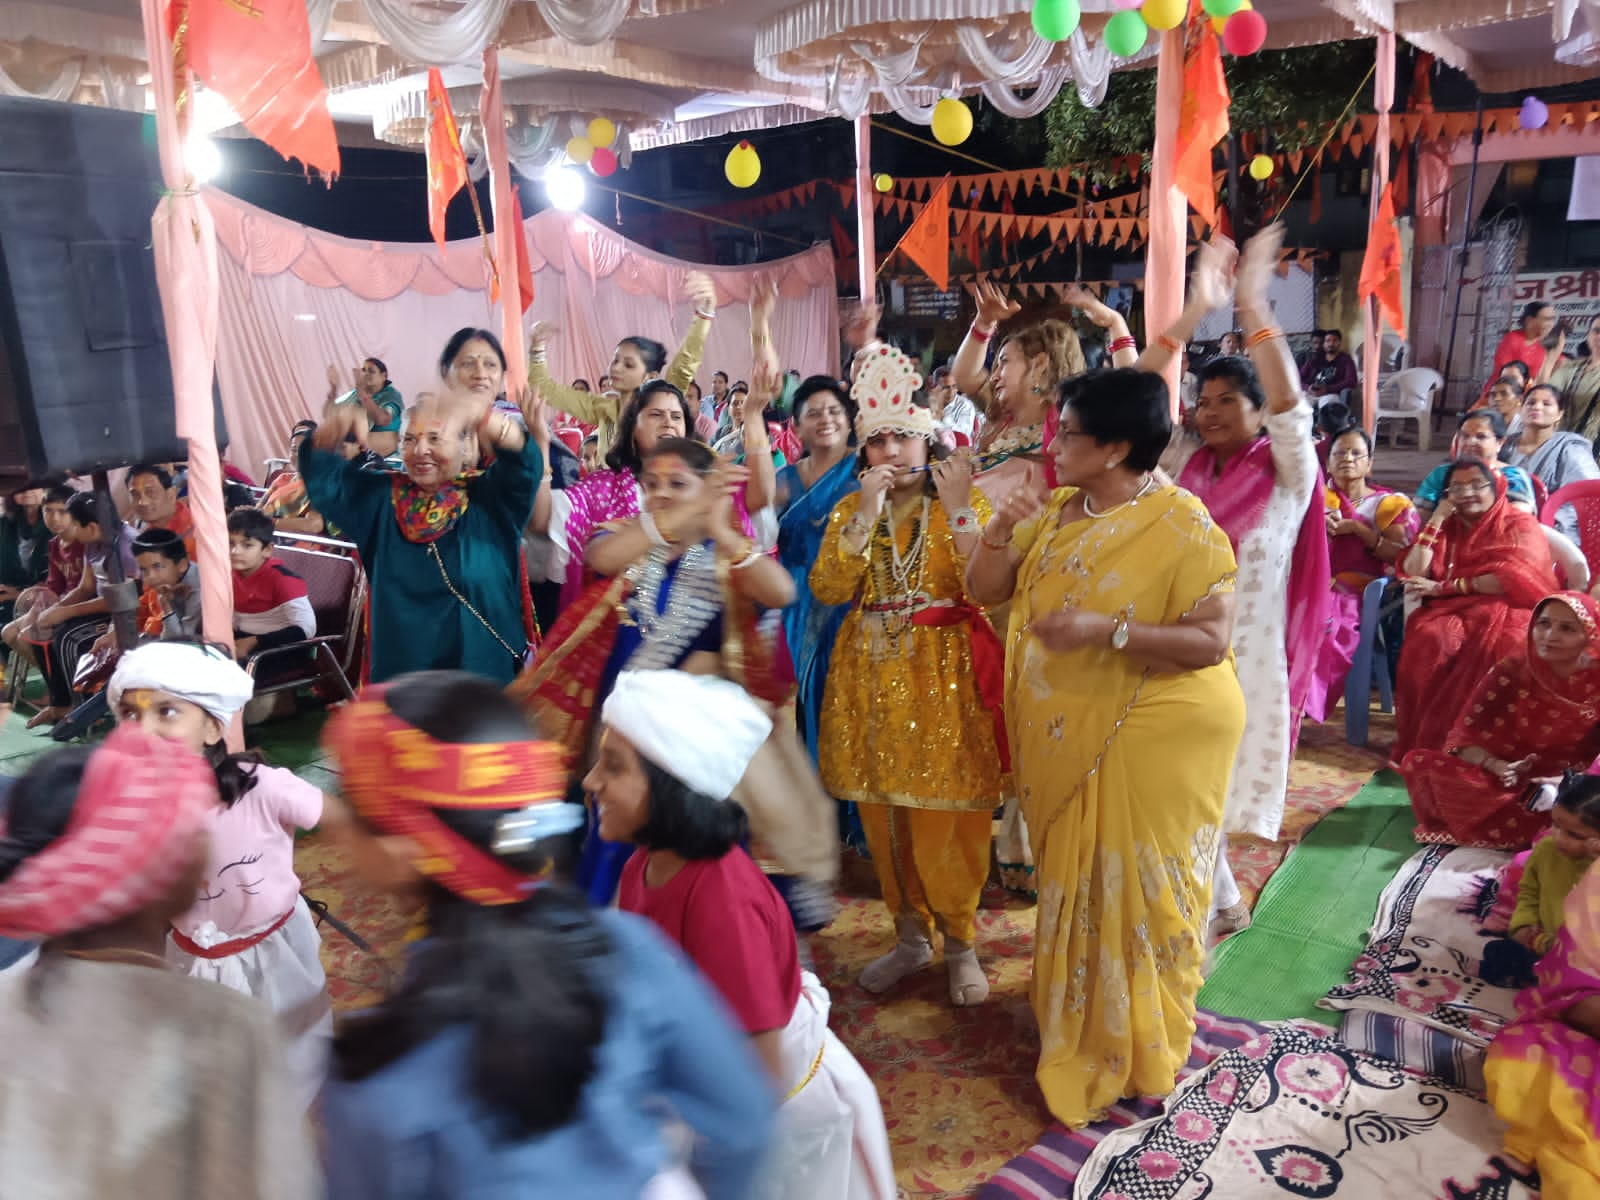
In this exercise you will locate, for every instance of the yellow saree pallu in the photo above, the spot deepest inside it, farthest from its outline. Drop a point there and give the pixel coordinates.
(1122, 775)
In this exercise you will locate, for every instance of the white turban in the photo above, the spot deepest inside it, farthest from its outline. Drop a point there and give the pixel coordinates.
(698, 728)
(202, 676)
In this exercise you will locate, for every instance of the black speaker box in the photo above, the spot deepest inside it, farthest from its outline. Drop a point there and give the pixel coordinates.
(85, 381)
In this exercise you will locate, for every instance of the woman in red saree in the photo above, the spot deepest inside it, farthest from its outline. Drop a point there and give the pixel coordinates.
(1531, 717)
(1479, 567)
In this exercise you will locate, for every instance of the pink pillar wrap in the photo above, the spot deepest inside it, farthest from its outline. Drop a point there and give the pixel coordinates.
(505, 227)
(1166, 250)
(1371, 330)
(185, 245)
(866, 246)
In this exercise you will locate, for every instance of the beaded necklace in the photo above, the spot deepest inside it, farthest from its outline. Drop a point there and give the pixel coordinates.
(695, 601)
(897, 581)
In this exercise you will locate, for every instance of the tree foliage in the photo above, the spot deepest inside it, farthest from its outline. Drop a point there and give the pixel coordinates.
(1292, 95)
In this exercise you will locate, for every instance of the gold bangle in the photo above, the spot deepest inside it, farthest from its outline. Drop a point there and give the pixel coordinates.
(984, 538)
(1262, 336)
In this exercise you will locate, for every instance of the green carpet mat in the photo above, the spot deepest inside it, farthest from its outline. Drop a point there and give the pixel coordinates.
(1313, 915)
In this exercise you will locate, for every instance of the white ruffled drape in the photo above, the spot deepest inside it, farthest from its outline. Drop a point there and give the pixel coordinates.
(59, 88)
(457, 37)
(584, 22)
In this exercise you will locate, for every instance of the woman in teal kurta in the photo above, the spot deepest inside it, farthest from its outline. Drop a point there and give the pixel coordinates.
(442, 546)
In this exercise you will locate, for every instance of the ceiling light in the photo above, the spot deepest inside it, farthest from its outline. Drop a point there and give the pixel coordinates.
(565, 188)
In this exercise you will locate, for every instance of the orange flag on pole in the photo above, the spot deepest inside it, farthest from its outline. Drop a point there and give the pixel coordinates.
(447, 162)
(927, 242)
(256, 55)
(1380, 266)
(1202, 123)
(524, 264)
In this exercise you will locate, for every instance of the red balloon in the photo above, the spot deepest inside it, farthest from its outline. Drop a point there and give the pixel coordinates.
(604, 161)
(1245, 32)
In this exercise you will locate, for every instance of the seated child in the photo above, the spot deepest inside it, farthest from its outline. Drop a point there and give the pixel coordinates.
(1553, 869)
(75, 622)
(64, 556)
(169, 605)
(270, 606)
(249, 928)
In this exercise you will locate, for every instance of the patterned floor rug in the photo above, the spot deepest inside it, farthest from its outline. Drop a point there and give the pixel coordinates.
(1423, 960)
(1294, 1114)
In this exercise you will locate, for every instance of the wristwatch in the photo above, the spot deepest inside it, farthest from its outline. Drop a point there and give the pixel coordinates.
(1119, 631)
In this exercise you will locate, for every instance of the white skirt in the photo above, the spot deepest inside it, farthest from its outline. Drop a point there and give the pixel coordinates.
(831, 1140)
(284, 970)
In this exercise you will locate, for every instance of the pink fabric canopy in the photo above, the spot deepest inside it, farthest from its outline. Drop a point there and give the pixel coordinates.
(295, 300)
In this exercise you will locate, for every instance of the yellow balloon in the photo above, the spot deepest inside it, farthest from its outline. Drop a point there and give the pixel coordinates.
(1164, 14)
(580, 150)
(883, 183)
(952, 121)
(743, 165)
(1218, 22)
(602, 132)
(1261, 167)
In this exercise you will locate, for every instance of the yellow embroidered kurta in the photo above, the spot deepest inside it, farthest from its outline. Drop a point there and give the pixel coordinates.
(601, 410)
(1122, 776)
(902, 721)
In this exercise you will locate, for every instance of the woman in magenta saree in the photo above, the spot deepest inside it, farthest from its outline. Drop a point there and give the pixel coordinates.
(1543, 1070)
(1479, 567)
(1530, 718)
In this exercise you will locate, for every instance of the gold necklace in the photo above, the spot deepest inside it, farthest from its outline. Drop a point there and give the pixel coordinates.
(1145, 489)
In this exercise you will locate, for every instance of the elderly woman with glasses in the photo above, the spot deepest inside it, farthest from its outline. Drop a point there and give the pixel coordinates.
(1369, 528)
(1479, 568)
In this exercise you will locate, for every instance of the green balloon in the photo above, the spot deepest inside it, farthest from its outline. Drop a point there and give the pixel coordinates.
(1054, 20)
(1220, 8)
(1125, 33)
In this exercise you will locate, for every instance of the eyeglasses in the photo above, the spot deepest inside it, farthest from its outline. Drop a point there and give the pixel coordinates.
(1357, 453)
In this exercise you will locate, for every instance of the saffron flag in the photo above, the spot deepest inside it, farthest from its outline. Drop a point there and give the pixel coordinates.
(447, 162)
(256, 55)
(1380, 266)
(1202, 123)
(927, 242)
(524, 265)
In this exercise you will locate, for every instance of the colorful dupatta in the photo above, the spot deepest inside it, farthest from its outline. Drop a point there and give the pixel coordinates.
(1543, 1075)
(1452, 641)
(426, 517)
(1237, 498)
(1520, 709)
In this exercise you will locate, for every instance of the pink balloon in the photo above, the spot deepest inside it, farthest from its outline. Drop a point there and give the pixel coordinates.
(1245, 32)
(1126, 5)
(604, 161)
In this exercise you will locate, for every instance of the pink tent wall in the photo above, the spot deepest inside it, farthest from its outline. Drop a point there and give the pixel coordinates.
(294, 300)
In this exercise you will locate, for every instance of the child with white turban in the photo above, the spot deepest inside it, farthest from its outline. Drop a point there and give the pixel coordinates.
(249, 929)
(661, 784)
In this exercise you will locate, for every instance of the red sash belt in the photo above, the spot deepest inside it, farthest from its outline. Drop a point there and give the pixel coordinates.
(988, 662)
(229, 949)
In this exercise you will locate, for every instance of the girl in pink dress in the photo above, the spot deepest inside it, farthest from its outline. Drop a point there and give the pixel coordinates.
(249, 928)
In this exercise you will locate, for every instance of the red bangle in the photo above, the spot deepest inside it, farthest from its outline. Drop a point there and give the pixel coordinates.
(1169, 343)
(979, 335)
(1125, 342)
(1262, 336)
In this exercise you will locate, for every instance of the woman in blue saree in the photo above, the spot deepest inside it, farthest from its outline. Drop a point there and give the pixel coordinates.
(807, 492)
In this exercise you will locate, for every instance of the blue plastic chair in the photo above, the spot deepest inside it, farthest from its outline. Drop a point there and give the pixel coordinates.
(1371, 660)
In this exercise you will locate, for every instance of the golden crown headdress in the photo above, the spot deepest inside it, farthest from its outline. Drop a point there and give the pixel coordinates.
(885, 382)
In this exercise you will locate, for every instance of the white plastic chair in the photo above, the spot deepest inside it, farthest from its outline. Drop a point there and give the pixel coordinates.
(1409, 396)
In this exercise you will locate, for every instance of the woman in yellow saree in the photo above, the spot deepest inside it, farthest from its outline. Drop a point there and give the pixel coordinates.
(1125, 714)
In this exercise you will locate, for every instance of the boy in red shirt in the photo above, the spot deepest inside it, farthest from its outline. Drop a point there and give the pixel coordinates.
(270, 605)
